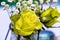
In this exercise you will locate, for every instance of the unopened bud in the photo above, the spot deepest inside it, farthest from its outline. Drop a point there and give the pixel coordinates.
(6, 6)
(36, 2)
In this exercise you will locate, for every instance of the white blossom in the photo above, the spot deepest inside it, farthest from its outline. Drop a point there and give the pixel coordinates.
(18, 4)
(44, 18)
(23, 2)
(28, 7)
(41, 1)
(30, 1)
(24, 5)
(47, 1)
(58, 19)
(15, 12)
(19, 0)
(7, 5)
(3, 3)
(55, 0)
(33, 6)
(10, 0)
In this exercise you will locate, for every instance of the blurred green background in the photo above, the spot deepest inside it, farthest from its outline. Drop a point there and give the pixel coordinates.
(13, 3)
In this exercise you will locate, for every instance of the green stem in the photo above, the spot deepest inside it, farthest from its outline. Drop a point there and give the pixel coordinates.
(18, 37)
(27, 38)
